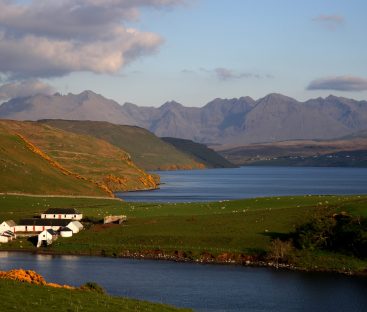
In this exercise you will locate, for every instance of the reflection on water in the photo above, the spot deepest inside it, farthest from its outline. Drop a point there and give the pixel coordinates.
(248, 182)
(202, 287)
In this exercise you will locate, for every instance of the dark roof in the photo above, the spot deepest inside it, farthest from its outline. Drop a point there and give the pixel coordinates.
(65, 229)
(52, 222)
(62, 211)
(52, 232)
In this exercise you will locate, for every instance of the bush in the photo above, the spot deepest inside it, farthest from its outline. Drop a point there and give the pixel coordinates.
(280, 251)
(91, 286)
(339, 233)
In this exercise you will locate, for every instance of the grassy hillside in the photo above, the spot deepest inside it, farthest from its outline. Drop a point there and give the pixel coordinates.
(17, 296)
(269, 153)
(200, 152)
(340, 159)
(146, 150)
(86, 158)
(194, 231)
(23, 171)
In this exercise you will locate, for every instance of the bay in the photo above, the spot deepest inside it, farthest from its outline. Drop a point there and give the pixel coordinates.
(213, 288)
(250, 182)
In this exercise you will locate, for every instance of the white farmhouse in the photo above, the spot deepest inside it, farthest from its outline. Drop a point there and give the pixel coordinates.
(40, 225)
(8, 225)
(62, 213)
(46, 237)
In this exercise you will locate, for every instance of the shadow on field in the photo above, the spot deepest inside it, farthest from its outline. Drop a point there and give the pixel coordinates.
(277, 235)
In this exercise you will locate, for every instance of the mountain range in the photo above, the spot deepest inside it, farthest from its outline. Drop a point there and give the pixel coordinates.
(229, 122)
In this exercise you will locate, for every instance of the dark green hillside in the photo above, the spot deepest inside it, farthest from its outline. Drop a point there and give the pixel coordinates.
(200, 152)
(146, 150)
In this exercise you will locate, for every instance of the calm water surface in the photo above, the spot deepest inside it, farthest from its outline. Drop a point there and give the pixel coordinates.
(245, 182)
(201, 287)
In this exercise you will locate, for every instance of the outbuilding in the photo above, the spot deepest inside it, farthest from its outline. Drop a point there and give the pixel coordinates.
(46, 237)
(66, 232)
(62, 213)
(75, 226)
(8, 225)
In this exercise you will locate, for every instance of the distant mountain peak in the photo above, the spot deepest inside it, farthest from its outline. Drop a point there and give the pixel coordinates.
(276, 97)
(171, 104)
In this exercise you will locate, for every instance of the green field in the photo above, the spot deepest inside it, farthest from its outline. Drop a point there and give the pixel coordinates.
(17, 296)
(242, 227)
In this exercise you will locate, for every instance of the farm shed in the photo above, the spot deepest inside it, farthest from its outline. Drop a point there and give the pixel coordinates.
(62, 213)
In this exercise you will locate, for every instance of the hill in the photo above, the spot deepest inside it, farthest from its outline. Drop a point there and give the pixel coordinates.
(346, 151)
(146, 150)
(230, 122)
(83, 158)
(200, 152)
(23, 171)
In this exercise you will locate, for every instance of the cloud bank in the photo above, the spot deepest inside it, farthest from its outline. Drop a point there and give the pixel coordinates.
(340, 83)
(331, 22)
(53, 38)
(24, 88)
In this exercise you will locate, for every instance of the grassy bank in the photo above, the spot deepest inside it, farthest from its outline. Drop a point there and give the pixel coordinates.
(228, 231)
(43, 298)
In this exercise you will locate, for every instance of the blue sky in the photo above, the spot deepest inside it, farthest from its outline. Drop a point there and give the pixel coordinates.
(237, 48)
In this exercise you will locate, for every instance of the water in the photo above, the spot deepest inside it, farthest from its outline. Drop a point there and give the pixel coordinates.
(201, 287)
(247, 182)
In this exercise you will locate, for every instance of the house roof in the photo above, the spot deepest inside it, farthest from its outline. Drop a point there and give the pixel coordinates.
(52, 232)
(65, 229)
(49, 222)
(61, 211)
(10, 222)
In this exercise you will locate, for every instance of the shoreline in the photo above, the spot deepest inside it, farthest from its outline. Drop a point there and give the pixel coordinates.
(157, 255)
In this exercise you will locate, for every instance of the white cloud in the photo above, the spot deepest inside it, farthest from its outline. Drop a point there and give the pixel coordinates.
(24, 88)
(340, 83)
(52, 38)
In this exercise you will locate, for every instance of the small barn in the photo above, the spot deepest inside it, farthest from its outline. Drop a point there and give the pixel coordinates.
(4, 239)
(75, 226)
(8, 225)
(46, 237)
(62, 213)
(66, 232)
(7, 236)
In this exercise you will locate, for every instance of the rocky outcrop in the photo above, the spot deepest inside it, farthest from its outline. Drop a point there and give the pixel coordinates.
(31, 277)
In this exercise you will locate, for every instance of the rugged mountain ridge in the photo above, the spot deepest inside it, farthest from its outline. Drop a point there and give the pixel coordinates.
(237, 121)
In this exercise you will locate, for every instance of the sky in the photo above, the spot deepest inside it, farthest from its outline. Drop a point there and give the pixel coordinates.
(148, 52)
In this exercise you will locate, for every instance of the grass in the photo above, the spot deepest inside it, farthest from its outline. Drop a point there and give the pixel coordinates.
(22, 171)
(239, 227)
(17, 296)
(147, 150)
(86, 157)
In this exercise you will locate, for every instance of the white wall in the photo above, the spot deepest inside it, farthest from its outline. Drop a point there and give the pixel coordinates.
(62, 216)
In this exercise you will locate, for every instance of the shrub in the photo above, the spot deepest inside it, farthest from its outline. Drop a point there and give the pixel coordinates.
(91, 286)
(280, 251)
(339, 233)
